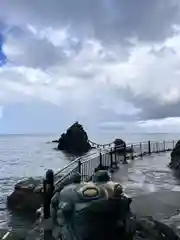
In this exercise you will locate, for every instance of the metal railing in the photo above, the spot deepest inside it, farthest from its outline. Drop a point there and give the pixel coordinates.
(106, 158)
(72, 168)
(109, 157)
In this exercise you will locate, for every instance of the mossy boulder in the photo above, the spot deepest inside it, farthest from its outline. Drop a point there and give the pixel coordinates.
(75, 140)
(27, 195)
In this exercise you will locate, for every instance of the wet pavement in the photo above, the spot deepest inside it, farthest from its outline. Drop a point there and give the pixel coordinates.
(153, 186)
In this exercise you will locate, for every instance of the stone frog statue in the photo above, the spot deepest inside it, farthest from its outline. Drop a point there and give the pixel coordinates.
(90, 211)
(100, 210)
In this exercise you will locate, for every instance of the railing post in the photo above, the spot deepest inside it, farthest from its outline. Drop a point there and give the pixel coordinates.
(111, 158)
(141, 153)
(48, 185)
(115, 157)
(79, 166)
(149, 147)
(157, 147)
(100, 159)
(124, 154)
(44, 198)
(164, 146)
(132, 152)
(173, 144)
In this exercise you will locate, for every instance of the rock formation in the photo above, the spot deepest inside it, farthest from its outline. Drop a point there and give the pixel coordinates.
(119, 143)
(149, 229)
(146, 228)
(73, 217)
(27, 195)
(55, 141)
(75, 140)
(175, 157)
(16, 234)
(80, 222)
(120, 146)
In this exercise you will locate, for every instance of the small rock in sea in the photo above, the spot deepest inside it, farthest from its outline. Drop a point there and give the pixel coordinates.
(120, 147)
(55, 141)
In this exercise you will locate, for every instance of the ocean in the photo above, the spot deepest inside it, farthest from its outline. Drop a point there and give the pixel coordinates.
(31, 155)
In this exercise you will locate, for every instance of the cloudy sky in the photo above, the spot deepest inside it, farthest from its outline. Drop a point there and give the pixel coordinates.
(107, 63)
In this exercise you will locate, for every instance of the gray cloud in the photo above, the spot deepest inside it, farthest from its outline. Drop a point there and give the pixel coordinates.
(113, 22)
(150, 106)
(34, 52)
(110, 20)
(152, 109)
(110, 43)
(162, 51)
(25, 48)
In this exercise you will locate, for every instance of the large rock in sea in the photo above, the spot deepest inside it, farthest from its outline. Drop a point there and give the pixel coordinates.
(75, 140)
(175, 157)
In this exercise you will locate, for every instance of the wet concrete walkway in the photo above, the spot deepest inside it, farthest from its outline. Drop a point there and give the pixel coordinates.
(154, 188)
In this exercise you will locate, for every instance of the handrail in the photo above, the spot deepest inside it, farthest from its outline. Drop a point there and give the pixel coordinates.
(80, 159)
(68, 165)
(133, 143)
(71, 163)
(86, 165)
(91, 155)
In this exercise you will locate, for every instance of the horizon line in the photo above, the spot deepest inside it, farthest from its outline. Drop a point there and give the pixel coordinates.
(53, 133)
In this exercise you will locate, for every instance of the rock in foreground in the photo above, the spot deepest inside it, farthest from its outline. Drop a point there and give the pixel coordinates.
(175, 157)
(75, 140)
(27, 195)
(145, 228)
(149, 229)
(13, 235)
(78, 209)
